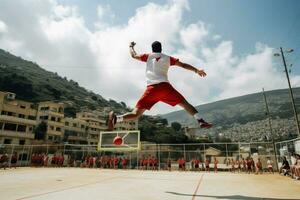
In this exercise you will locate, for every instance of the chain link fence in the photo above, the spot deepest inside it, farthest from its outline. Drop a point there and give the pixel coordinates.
(287, 149)
(164, 153)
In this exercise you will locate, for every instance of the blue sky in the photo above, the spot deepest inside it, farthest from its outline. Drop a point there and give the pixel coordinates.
(87, 41)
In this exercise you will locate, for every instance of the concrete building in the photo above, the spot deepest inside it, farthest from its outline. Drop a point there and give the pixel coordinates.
(53, 115)
(96, 122)
(17, 120)
(75, 131)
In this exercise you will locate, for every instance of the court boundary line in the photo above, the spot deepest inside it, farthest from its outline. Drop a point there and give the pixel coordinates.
(197, 188)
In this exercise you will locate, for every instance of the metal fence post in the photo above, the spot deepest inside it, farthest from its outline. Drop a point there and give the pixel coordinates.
(158, 156)
(22, 155)
(12, 151)
(137, 160)
(184, 155)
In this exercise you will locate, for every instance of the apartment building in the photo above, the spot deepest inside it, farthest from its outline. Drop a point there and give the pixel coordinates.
(75, 131)
(52, 114)
(96, 122)
(17, 120)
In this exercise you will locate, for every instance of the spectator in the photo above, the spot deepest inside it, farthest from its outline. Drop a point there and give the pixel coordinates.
(14, 160)
(4, 161)
(197, 162)
(207, 162)
(295, 168)
(285, 167)
(270, 165)
(259, 168)
(169, 164)
(215, 165)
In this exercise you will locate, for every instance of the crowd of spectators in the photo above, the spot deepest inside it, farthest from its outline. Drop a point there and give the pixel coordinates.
(246, 165)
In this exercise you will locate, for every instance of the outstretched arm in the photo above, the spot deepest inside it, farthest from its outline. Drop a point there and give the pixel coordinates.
(200, 72)
(133, 52)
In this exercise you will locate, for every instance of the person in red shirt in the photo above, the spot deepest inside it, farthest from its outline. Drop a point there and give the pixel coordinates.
(124, 163)
(150, 163)
(183, 164)
(116, 162)
(145, 163)
(158, 87)
(197, 163)
(180, 164)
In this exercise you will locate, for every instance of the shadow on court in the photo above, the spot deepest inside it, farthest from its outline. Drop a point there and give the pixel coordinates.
(230, 197)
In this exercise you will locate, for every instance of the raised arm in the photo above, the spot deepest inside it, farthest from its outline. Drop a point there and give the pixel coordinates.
(133, 52)
(200, 72)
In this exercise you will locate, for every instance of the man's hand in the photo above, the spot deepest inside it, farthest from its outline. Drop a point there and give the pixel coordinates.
(132, 44)
(201, 72)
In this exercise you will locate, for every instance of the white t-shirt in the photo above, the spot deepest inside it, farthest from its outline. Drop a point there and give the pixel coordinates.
(157, 67)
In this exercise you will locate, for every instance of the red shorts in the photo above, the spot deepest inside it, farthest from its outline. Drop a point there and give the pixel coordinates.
(163, 92)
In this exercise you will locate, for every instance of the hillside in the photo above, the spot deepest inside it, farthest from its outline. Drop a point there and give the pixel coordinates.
(244, 110)
(32, 83)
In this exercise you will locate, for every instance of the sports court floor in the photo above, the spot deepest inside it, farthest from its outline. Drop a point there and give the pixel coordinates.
(81, 184)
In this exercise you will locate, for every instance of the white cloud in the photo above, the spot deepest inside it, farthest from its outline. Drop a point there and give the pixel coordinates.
(3, 28)
(57, 37)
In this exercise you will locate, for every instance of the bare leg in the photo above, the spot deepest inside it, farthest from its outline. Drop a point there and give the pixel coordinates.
(188, 107)
(133, 115)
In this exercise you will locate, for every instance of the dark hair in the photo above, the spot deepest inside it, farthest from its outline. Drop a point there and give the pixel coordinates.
(156, 47)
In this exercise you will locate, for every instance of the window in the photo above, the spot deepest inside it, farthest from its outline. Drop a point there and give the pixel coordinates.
(58, 129)
(31, 117)
(3, 112)
(44, 108)
(82, 126)
(10, 127)
(52, 127)
(21, 116)
(50, 137)
(58, 119)
(22, 106)
(74, 125)
(53, 119)
(44, 117)
(21, 142)
(1, 124)
(21, 128)
(7, 141)
(67, 123)
(30, 128)
(9, 113)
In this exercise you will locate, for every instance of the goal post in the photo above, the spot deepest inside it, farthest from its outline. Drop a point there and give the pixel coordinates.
(131, 141)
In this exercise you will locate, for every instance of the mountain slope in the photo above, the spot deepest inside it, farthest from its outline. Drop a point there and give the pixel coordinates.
(32, 83)
(242, 109)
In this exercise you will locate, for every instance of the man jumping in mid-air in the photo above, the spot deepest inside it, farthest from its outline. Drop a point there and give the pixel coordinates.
(158, 86)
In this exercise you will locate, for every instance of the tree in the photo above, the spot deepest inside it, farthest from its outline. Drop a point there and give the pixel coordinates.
(176, 126)
(40, 131)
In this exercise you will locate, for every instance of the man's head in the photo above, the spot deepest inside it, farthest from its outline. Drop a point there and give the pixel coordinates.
(156, 47)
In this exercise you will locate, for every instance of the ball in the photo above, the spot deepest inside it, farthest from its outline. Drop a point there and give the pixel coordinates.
(118, 140)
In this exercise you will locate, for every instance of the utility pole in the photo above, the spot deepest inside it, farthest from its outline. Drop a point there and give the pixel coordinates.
(271, 130)
(268, 114)
(291, 91)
